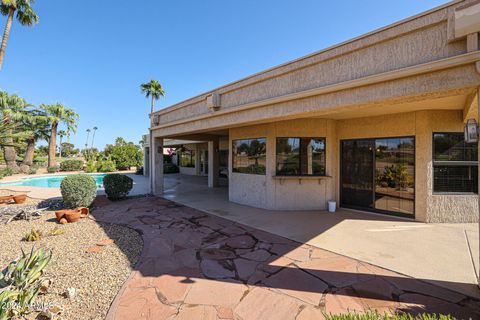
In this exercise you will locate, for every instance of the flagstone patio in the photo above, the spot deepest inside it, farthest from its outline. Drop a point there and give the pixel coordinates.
(198, 266)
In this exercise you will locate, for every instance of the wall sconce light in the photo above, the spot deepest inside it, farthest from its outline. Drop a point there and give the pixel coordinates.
(471, 131)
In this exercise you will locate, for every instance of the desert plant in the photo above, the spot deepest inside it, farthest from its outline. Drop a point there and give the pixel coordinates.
(91, 166)
(20, 282)
(117, 186)
(56, 232)
(78, 190)
(107, 165)
(33, 235)
(52, 169)
(71, 165)
(32, 170)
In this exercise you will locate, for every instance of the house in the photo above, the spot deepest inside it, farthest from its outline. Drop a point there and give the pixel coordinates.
(374, 123)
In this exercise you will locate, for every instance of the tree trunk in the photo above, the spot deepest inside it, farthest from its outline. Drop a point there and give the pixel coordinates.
(5, 35)
(153, 105)
(52, 146)
(28, 160)
(60, 148)
(9, 152)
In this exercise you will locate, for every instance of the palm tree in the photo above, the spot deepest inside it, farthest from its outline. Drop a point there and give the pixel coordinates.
(152, 89)
(37, 126)
(86, 144)
(93, 136)
(24, 14)
(12, 109)
(58, 113)
(61, 134)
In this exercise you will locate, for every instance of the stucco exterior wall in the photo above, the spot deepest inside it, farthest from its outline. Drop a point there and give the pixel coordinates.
(288, 194)
(414, 41)
(266, 192)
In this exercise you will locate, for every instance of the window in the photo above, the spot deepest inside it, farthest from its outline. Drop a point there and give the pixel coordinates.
(187, 158)
(300, 156)
(455, 164)
(249, 156)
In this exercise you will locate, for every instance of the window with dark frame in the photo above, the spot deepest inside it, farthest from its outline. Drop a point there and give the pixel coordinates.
(187, 158)
(455, 164)
(300, 157)
(249, 156)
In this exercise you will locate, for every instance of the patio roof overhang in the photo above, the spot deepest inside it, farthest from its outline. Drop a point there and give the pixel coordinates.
(416, 64)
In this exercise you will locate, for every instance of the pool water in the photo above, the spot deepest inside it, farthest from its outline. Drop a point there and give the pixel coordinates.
(50, 181)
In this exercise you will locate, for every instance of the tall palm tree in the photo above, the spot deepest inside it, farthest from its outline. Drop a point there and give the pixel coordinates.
(93, 136)
(12, 109)
(24, 14)
(152, 89)
(61, 134)
(58, 113)
(37, 127)
(86, 144)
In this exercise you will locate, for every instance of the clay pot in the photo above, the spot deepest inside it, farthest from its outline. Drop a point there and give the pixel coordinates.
(60, 214)
(6, 198)
(63, 221)
(73, 215)
(20, 198)
(84, 211)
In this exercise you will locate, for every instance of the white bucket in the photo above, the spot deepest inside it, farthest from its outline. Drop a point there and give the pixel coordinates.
(332, 206)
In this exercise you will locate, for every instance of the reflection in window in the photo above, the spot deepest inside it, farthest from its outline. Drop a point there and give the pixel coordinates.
(249, 156)
(187, 158)
(300, 156)
(395, 174)
(455, 166)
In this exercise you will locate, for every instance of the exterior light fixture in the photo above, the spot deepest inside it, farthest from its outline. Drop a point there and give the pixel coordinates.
(471, 131)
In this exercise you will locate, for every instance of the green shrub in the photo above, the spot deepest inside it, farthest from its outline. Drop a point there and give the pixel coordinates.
(91, 166)
(107, 165)
(32, 170)
(5, 172)
(71, 165)
(52, 169)
(78, 190)
(170, 168)
(117, 186)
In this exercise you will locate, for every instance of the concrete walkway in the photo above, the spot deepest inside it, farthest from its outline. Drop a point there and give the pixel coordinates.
(443, 254)
(199, 266)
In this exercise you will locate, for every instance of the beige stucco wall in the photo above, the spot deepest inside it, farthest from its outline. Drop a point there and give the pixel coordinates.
(285, 194)
(266, 192)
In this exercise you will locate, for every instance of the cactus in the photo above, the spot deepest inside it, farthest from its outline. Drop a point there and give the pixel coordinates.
(33, 235)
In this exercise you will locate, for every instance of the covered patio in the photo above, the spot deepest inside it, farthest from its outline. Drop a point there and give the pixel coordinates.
(443, 254)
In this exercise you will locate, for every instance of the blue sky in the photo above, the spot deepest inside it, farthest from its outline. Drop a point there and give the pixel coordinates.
(92, 55)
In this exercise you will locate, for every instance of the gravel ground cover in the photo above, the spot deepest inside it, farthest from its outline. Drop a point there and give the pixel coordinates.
(96, 276)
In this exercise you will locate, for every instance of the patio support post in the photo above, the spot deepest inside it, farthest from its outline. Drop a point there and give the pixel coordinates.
(157, 168)
(213, 163)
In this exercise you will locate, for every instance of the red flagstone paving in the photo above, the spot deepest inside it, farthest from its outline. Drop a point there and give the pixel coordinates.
(198, 266)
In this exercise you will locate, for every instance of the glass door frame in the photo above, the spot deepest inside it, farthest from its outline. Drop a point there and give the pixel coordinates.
(386, 212)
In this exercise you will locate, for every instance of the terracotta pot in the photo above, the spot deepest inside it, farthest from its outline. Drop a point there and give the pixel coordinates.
(63, 221)
(60, 214)
(84, 211)
(73, 215)
(6, 198)
(20, 198)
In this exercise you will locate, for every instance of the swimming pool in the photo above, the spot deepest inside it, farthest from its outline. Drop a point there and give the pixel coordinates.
(50, 181)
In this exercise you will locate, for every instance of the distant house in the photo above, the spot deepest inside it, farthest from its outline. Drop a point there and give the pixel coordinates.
(374, 123)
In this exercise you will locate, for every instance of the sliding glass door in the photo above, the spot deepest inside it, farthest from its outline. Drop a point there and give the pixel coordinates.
(379, 175)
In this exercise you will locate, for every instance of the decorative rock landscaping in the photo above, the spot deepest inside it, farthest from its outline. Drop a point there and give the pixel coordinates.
(83, 282)
(197, 266)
